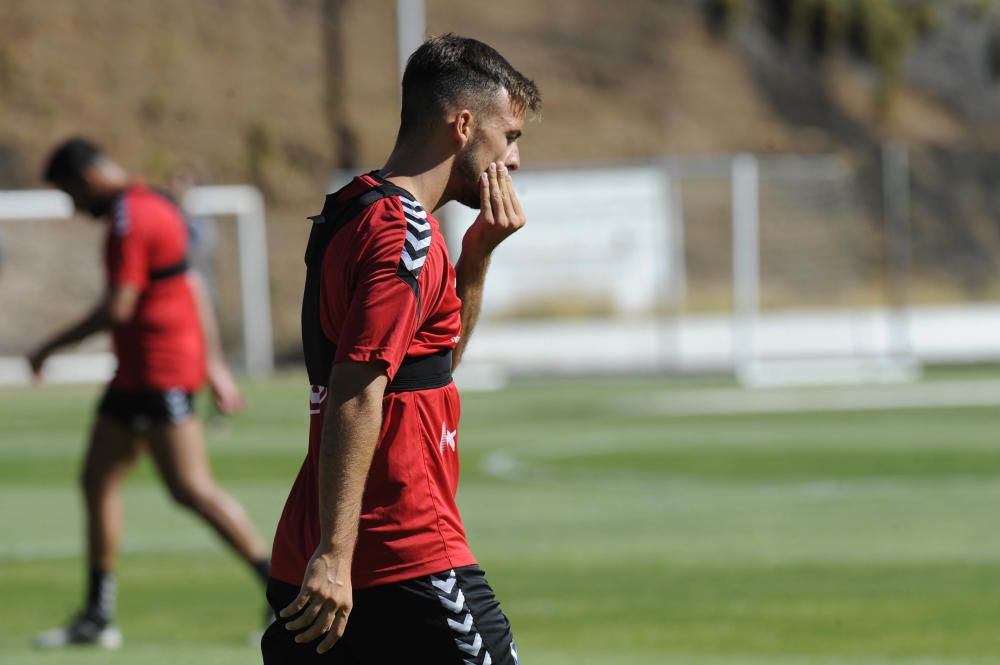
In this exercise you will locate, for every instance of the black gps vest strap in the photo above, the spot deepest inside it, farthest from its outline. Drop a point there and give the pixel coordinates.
(178, 268)
(423, 373)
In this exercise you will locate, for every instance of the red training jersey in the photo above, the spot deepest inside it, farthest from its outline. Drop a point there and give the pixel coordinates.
(162, 346)
(388, 294)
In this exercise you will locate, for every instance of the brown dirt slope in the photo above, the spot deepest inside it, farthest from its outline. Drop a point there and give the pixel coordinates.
(241, 90)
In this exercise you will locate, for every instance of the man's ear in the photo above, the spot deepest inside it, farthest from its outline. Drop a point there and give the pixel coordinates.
(462, 127)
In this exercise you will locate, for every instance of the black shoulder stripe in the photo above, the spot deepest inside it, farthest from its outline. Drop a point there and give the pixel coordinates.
(418, 237)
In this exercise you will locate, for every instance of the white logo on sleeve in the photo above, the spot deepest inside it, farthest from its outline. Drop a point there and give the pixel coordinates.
(447, 438)
(317, 395)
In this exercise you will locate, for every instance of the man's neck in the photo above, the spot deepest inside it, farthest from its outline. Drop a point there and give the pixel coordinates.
(103, 204)
(427, 179)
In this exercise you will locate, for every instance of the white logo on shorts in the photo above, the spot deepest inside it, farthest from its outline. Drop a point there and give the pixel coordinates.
(177, 404)
(447, 438)
(317, 395)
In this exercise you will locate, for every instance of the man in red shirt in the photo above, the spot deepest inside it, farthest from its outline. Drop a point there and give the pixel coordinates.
(166, 344)
(370, 562)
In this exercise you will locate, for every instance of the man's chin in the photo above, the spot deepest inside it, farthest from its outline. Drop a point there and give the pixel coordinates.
(99, 208)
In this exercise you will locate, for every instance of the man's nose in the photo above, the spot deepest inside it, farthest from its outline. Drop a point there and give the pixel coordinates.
(513, 161)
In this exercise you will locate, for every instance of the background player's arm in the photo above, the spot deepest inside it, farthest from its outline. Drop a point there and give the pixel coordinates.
(500, 215)
(225, 393)
(351, 427)
(117, 307)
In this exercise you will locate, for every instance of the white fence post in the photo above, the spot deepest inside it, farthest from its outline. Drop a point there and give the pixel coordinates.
(746, 262)
(896, 197)
(251, 236)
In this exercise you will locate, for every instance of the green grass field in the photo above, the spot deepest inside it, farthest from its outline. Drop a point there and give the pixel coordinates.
(612, 534)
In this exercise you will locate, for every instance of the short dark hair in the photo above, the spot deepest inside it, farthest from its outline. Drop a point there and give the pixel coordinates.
(449, 69)
(68, 161)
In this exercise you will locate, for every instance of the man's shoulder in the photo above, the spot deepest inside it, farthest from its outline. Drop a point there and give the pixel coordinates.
(383, 202)
(142, 198)
(140, 207)
(380, 215)
(375, 220)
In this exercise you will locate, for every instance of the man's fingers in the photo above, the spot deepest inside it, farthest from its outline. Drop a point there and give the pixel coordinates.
(335, 633)
(496, 194)
(500, 211)
(327, 643)
(296, 605)
(228, 401)
(319, 627)
(307, 617)
(485, 207)
(507, 188)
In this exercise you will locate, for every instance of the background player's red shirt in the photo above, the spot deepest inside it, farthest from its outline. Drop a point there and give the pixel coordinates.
(410, 525)
(162, 347)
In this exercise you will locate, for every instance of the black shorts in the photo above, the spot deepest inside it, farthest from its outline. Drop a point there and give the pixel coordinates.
(142, 409)
(446, 618)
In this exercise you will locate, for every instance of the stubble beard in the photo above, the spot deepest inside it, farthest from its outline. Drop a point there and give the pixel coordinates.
(100, 207)
(466, 174)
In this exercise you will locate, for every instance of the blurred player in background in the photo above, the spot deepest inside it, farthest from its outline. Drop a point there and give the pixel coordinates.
(166, 344)
(370, 559)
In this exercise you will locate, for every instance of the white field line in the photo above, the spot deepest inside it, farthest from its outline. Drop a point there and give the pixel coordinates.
(537, 464)
(537, 468)
(735, 401)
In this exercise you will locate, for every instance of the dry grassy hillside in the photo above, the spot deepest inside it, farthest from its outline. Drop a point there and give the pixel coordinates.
(262, 91)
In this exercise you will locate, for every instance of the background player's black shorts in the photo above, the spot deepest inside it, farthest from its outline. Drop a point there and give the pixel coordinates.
(141, 409)
(448, 618)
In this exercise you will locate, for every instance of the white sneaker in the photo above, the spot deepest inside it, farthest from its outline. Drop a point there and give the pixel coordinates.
(81, 631)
